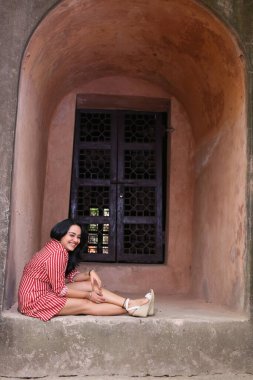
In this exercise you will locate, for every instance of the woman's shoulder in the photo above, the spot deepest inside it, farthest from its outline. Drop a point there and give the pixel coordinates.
(51, 250)
(54, 246)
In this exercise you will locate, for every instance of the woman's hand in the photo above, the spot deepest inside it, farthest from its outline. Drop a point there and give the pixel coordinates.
(96, 283)
(95, 297)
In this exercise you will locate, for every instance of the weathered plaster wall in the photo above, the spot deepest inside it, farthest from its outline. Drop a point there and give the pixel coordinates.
(58, 167)
(18, 19)
(192, 37)
(27, 185)
(220, 217)
(244, 24)
(239, 15)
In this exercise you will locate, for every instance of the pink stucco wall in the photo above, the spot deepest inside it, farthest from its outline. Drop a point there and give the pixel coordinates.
(219, 222)
(175, 48)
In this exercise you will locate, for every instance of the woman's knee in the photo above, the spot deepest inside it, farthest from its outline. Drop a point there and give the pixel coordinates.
(81, 285)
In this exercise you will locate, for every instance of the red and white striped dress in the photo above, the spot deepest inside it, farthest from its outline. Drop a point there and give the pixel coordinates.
(42, 290)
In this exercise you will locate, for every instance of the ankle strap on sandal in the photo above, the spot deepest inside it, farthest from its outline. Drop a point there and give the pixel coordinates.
(125, 303)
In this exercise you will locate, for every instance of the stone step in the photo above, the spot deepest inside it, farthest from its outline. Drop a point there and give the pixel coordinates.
(185, 337)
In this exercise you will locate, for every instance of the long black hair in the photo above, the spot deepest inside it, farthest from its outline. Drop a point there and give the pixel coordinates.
(60, 230)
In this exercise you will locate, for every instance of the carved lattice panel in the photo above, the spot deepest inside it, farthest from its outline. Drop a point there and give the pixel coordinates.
(139, 239)
(93, 201)
(95, 127)
(94, 163)
(140, 128)
(139, 201)
(97, 238)
(140, 164)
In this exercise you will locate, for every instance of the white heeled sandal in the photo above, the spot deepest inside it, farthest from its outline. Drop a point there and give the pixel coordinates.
(151, 296)
(137, 311)
(142, 310)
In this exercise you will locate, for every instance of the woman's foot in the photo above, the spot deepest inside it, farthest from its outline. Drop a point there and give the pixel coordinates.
(137, 302)
(138, 307)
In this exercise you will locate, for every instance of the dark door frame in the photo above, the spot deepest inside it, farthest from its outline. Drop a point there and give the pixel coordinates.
(102, 102)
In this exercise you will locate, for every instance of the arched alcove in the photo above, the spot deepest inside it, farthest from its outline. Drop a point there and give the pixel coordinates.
(172, 49)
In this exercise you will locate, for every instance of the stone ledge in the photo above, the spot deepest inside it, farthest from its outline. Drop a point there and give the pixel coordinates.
(185, 337)
(173, 308)
(227, 376)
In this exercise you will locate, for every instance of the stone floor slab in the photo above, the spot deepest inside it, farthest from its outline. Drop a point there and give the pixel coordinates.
(185, 337)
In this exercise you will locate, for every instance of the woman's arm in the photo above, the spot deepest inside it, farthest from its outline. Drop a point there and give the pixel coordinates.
(92, 276)
(55, 269)
(81, 277)
(92, 295)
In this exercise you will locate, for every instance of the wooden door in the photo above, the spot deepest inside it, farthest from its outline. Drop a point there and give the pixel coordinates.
(118, 184)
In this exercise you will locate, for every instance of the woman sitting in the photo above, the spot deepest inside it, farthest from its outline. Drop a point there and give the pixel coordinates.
(52, 286)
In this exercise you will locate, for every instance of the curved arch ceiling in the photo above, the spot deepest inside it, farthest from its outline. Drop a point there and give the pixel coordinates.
(178, 45)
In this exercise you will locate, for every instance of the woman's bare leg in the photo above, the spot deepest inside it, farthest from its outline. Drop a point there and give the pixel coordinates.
(75, 306)
(109, 296)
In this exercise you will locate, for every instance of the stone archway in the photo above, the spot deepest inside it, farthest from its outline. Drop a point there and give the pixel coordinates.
(172, 49)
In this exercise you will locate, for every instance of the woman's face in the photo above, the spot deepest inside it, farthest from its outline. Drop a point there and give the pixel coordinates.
(72, 238)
